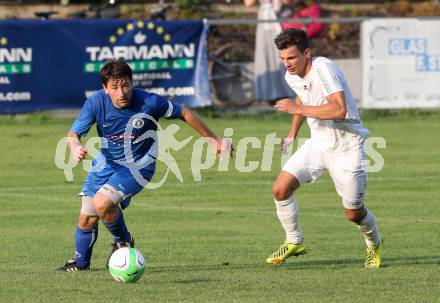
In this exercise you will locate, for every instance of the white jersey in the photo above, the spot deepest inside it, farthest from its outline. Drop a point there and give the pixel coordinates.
(323, 79)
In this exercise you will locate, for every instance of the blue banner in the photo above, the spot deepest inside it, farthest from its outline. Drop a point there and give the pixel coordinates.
(54, 64)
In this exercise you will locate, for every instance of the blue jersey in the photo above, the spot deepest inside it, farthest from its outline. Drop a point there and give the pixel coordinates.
(141, 117)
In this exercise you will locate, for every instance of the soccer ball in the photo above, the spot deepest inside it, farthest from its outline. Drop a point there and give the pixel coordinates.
(126, 265)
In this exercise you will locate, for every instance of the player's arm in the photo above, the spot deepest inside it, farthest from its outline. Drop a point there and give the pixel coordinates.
(79, 152)
(196, 123)
(297, 121)
(334, 109)
(79, 129)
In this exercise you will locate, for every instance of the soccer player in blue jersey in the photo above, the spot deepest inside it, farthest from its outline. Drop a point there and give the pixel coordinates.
(126, 120)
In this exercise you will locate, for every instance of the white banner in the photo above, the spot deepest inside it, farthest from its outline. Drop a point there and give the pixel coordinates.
(401, 63)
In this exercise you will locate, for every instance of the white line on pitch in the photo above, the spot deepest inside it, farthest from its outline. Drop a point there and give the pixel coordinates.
(208, 183)
(216, 209)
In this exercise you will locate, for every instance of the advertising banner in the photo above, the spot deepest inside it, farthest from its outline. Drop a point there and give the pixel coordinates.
(401, 63)
(54, 64)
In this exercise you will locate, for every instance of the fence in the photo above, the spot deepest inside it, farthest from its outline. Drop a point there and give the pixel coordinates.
(398, 64)
(402, 72)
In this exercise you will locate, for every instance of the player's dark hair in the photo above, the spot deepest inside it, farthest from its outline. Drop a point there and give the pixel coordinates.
(292, 37)
(116, 69)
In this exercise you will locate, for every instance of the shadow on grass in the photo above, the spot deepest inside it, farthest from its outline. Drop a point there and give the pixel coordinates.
(153, 273)
(412, 260)
(292, 264)
(193, 281)
(300, 264)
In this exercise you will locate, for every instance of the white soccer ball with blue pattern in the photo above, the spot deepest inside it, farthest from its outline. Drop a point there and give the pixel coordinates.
(126, 265)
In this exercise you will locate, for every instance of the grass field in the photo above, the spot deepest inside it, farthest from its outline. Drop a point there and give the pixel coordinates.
(206, 241)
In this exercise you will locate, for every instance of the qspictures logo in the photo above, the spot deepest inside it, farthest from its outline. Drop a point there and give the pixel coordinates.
(149, 50)
(202, 156)
(13, 61)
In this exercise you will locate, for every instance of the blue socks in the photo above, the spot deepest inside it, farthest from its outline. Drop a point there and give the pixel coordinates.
(118, 229)
(86, 238)
(84, 241)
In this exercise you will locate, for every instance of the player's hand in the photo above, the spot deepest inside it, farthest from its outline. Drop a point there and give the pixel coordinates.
(221, 146)
(225, 147)
(288, 106)
(285, 145)
(79, 153)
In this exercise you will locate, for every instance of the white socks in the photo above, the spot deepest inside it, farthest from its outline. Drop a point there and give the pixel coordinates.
(287, 211)
(369, 230)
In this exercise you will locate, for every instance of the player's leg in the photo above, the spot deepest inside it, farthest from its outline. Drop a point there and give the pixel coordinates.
(86, 232)
(350, 181)
(85, 237)
(287, 212)
(106, 202)
(287, 209)
(366, 223)
(298, 170)
(87, 229)
(118, 191)
(116, 245)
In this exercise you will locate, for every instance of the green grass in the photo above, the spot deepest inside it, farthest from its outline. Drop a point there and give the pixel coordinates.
(206, 241)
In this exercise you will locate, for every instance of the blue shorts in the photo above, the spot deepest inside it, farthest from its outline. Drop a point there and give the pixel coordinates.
(120, 178)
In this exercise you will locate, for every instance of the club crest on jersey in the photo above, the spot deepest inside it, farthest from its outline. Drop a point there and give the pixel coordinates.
(138, 123)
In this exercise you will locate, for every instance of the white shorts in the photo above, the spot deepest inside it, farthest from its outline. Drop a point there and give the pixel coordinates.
(345, 167)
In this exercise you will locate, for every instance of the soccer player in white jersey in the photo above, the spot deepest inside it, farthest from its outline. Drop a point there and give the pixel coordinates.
(336, 144)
